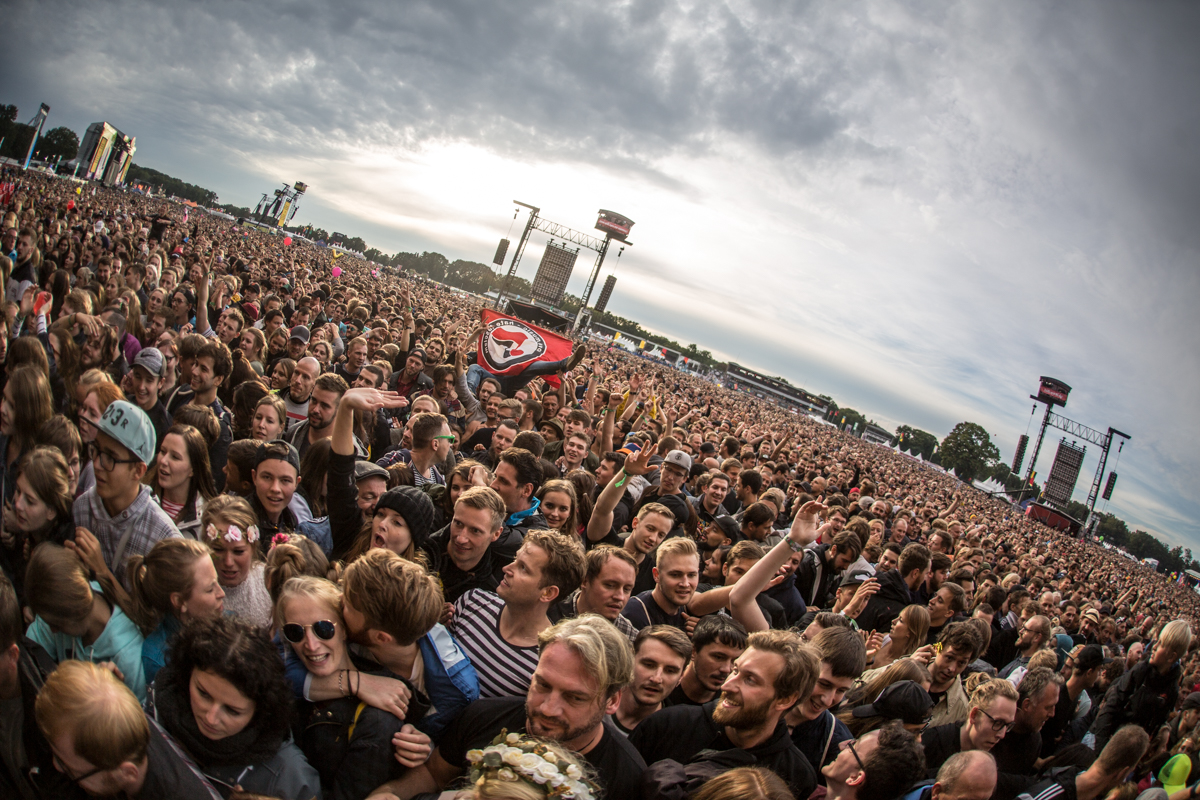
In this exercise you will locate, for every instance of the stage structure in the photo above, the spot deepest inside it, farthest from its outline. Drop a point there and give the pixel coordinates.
(550, 283)
(1060, 483)
(1053, 392)
(615, 226)
(278, 209)
(106, 153)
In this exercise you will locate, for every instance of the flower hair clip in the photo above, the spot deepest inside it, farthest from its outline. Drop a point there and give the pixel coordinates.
(280, 538)
(233, 534)
(513, 757)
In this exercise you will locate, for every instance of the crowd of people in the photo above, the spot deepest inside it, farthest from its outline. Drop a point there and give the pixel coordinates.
(270, 529)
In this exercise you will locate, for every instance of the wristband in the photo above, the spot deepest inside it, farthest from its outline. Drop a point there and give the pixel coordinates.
(796, 546)
(624, 477)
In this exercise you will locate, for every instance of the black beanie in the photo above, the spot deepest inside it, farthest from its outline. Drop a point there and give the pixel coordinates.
(416, 508)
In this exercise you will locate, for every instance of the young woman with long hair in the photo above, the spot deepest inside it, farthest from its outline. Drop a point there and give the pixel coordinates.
(909, 630)
(181, 478)
(224, 699)
(172, 585)
(26, 406)
(254, 347)
(560, 507)
(230, 529)
(281, 373)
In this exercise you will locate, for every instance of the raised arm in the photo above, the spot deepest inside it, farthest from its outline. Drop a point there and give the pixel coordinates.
(742, 599)
(602, 515)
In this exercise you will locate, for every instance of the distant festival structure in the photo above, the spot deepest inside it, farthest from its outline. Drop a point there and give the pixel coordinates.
(558, 261)
(278, 209)
(106, 153)
(1067, 461)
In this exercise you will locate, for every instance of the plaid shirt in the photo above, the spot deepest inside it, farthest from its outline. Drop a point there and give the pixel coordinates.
(147, 522)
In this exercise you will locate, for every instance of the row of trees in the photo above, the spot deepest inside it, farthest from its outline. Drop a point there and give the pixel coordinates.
(172, 186)
(56, 143)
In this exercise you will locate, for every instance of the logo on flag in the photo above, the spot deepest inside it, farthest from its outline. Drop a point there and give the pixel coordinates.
(509, 343)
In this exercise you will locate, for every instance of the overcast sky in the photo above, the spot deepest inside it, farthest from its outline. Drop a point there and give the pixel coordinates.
(914, 208)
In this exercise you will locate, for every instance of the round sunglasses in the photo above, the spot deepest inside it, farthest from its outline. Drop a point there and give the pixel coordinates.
(323, 629)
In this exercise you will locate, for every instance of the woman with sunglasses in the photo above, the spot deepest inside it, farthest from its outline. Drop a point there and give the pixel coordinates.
(230, 529)
(349, 742)
(224, 699)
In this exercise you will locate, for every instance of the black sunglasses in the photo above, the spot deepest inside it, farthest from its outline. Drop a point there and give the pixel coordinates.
(324, 629)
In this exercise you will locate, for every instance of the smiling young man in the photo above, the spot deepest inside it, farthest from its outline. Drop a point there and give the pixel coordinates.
(676, 576)
(816, 732)
(499, 632)
(660, 654)
(119, 509)
(145, 379)
(275, 476)
(323, 403)
(583, 667)
(769, 677)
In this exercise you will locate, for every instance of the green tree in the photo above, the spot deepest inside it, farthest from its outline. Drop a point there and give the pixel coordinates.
(968, 450)
(59, 142)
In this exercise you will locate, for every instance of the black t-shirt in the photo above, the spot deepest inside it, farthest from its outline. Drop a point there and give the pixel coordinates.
(642, 611)
(618, 765)
(644, 582)
(1016, 753)
(681, 732)
(679, 698)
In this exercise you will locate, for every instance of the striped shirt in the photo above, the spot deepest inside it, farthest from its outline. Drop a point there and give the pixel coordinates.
(504, 670)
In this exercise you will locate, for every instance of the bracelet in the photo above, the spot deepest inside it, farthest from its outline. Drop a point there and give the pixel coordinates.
(624, 477)
(796, 546)
(358, 684)
(341, 688)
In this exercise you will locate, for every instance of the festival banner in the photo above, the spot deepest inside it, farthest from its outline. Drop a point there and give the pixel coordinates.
(508, 345)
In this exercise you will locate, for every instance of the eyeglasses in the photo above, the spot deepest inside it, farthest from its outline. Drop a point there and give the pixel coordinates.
(61, 767)
(450, 438)
(104, 459)
(323, 629)
(850, 746)
(998, 724)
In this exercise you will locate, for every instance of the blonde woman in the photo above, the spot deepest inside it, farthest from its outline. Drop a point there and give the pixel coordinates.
(349, 743)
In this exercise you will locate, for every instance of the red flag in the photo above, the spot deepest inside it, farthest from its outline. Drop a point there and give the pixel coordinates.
(508, 345)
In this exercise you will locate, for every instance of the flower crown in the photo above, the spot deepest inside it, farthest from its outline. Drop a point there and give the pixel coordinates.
(513, 757)
(234, 534)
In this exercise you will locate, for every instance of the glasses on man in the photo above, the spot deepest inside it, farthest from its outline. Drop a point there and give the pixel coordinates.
(998, 724)
(106, 461)
(323, 629)
(850, 746)
(451, 438)
(65, 770)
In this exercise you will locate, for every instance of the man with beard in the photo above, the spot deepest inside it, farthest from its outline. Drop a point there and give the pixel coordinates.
(300, 389)
(1034, 635)
(773, 673)
(659, 655)
(322, 408)
(584, 664)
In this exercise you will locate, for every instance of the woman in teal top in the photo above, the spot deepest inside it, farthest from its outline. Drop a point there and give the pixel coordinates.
(74, 620)
(176, 582)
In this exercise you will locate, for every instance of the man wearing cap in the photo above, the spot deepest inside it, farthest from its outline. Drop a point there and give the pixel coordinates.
(275, 476)
(1189, 716)
(1089, 628)
(905, 701)
(412, 378)
(672, 474)
(1085, 667)
(120, 511)
(143, 382)
(297, 342)
(993, 712)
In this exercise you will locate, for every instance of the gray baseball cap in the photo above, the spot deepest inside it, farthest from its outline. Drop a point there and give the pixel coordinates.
(130, 426)
(678, 458)
(151, 360)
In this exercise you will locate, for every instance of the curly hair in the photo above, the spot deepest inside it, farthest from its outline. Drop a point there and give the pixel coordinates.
(241, 654)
